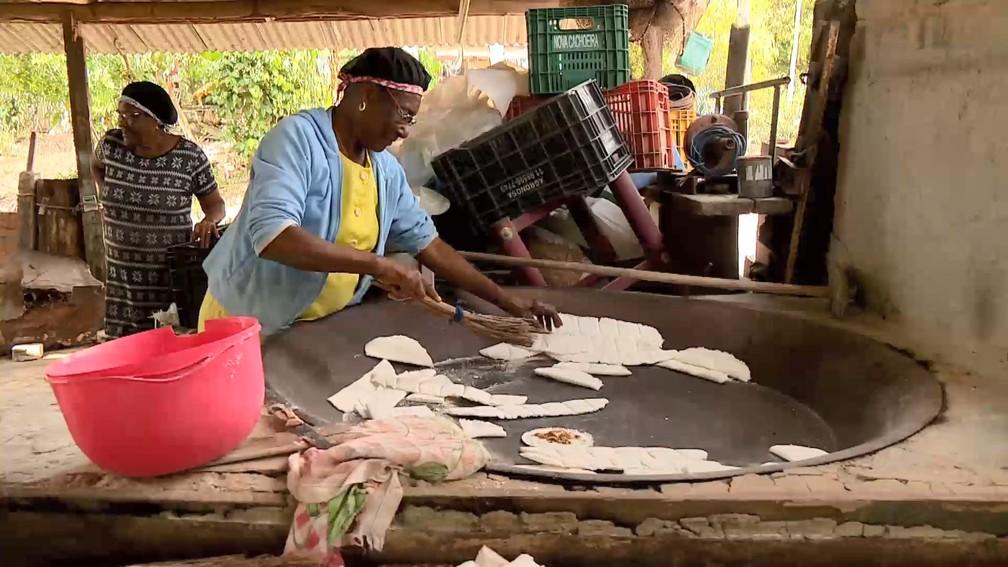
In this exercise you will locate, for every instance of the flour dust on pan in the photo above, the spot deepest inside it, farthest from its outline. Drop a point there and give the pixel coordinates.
(812, 385)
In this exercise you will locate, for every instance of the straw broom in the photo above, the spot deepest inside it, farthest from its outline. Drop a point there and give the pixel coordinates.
(514, 330)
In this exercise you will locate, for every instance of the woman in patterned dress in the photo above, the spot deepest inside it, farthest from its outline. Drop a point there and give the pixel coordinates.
(147, 178)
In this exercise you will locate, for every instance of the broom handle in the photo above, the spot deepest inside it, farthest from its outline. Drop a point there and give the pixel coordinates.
(660, 277)
(439, 307)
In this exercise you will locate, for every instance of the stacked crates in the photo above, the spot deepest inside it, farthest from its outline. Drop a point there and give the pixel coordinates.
(568, 146)
(643, 116)
(597, 125)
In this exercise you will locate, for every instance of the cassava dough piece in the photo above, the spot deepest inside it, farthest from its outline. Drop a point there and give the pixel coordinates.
(791, 453)
(595, 369)
(546, 468)
(475, 428)
(490, 558)
(557, 436)
(698, 371)
(399, 348)
(507, 400)
(352, 396)
(379, 403)
(425, 399)
(691, 454)
(440, 386)
(696, 467)
(570, 376)
(561, 344)
(711, 359)
(630, 460)
(553, 409)
(505, 351)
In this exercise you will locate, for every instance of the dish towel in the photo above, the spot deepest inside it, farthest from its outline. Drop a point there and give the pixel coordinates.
(348, 494)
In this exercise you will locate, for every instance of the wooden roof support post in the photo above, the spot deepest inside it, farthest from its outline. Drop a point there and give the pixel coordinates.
(80, 119)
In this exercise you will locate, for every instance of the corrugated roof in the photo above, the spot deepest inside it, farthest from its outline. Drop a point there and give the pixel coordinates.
(354, 34)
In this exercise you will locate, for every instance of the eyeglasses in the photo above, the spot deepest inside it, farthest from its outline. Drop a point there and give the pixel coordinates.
(129, 116)
(404, 116)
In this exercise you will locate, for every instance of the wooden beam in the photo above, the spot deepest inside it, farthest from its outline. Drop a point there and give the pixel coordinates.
(27, 230)
(735, 71)
(816, 99)
(254, 10)
(651, 276)
(27, 221)
(80, 120)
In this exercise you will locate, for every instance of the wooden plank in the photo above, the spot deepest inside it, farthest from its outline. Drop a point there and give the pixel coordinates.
(80, 119)
(254, 10)
(193, 490)
(711, 205)
(728, 205)
(738, 62)
(772, 206)
(59, 226)
(239, 561)
(27, 222)
(819, 96)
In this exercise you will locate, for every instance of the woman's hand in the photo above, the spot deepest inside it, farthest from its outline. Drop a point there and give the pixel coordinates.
(205, 232)
(403, 283)
(543, 313)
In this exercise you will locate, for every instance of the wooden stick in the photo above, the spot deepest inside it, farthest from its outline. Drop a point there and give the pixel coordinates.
(660, 277)
(819, 93)
(30, 167)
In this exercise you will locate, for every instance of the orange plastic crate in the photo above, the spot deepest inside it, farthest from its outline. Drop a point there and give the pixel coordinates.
(641, 112)
(642, 115)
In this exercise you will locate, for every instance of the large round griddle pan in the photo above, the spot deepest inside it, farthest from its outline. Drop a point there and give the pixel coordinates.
(812, 384)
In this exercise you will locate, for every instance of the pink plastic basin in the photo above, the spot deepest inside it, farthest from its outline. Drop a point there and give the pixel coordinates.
(155, 403)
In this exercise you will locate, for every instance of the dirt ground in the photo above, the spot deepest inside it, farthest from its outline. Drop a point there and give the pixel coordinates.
(54, 159)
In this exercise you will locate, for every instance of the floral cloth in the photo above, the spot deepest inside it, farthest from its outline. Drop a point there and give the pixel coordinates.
(348, 494)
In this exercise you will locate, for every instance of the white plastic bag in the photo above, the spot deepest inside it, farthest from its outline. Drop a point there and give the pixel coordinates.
(458, 109)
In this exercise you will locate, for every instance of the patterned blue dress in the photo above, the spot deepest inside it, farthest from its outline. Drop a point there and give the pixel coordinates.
(146, 207)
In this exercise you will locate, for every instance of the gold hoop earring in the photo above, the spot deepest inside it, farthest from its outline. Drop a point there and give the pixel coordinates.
(362, 106)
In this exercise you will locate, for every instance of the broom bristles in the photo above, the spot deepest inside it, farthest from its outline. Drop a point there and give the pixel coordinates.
(514, 330)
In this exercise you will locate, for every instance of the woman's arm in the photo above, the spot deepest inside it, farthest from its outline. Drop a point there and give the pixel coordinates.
(213, 207)
(297, 248)
(440, 257)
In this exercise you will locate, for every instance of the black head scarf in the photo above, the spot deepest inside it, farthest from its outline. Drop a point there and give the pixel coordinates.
(152, 100)
(390, 67)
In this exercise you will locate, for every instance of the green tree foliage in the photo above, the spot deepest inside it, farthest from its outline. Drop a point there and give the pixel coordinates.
(770, 38)
(253, 91)
(246, 92)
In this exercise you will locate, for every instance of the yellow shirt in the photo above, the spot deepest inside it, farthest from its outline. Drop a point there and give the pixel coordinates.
(358, 229)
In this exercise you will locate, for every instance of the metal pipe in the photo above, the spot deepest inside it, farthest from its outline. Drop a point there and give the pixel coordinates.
(511, 242)
(639, 217)
(743, 89)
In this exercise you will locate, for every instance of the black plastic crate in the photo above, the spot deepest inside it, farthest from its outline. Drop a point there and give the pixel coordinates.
(569, 145)
(187, 279)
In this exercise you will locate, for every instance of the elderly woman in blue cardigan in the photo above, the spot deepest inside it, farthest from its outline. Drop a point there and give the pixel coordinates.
(327, 202)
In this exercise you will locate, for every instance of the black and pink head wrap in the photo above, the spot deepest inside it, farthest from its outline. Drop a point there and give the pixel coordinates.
(389, 67)
(152, 100)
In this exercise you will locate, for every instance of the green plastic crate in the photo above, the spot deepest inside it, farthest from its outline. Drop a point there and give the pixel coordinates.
(568, 46)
